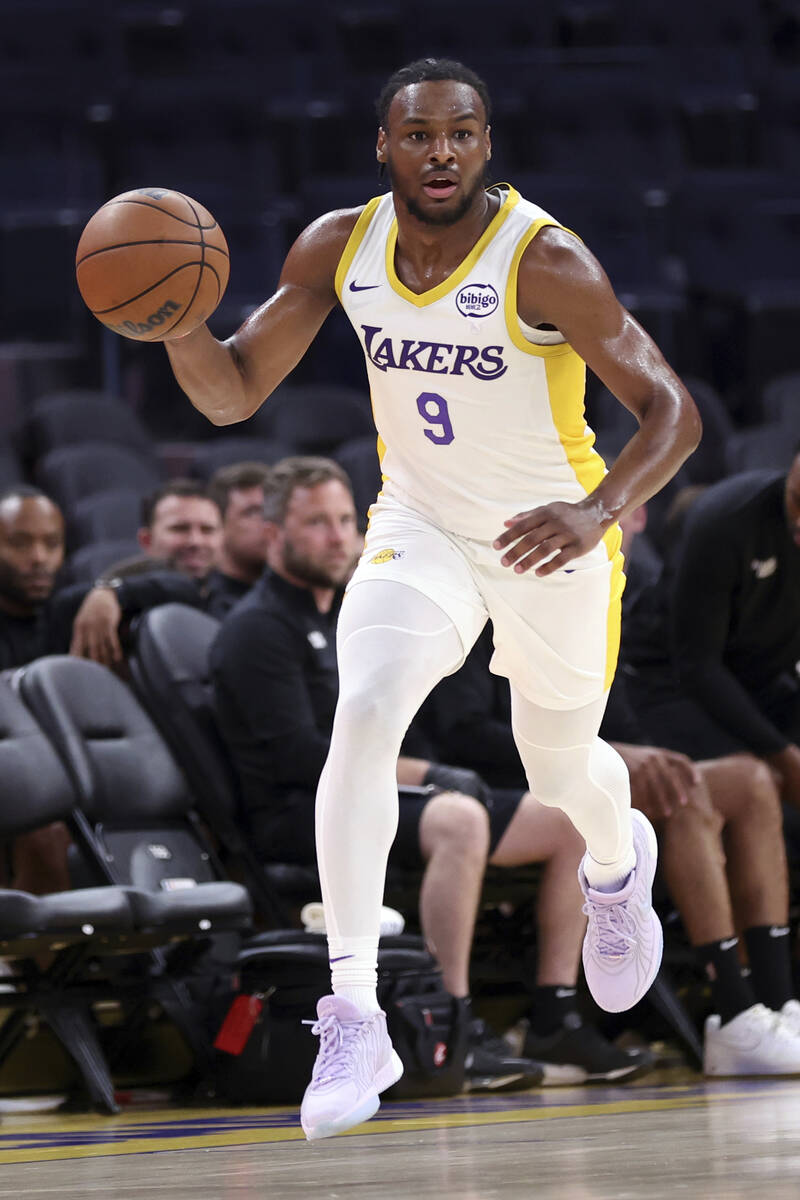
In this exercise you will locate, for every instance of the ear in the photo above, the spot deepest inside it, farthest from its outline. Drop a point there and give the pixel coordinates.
(380, 149)
(145, 539)
(488, 139)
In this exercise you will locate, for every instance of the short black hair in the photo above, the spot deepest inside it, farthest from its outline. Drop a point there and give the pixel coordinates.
(424, 70)
(173, 487)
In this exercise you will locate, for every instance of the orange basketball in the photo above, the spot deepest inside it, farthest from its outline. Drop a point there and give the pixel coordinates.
(152, 264)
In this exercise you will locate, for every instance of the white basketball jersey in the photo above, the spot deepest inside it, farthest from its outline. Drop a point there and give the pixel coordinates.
(476, 422)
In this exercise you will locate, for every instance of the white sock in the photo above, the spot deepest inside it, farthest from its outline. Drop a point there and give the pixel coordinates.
(608, 877)
(354, 971)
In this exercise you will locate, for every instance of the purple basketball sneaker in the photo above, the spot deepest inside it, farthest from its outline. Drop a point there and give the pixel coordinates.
(624, 941)
(355, 1063)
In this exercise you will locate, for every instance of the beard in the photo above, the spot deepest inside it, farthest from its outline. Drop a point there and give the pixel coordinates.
(15, 593)
(440, 217)
(299, 566)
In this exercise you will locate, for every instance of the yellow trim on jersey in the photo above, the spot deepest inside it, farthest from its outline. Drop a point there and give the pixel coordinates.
(512, 316)
(462, 270)
(566, 379)
(353, 242)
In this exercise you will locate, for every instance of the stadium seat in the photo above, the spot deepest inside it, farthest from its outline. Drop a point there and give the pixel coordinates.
(316, 418)
(780, 399)
(92, 561)
(169, 670)
(37, 791)
(224, 451)
(136, 827)
(769, 445)
(78, 416)
(708, 463)
(10, 468)
(359, 457)
(72, 472)
(112, 515)
(89, 934)
(141, 828)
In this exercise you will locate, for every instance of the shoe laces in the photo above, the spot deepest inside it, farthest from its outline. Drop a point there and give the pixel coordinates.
(337, 1043)
(614, 928)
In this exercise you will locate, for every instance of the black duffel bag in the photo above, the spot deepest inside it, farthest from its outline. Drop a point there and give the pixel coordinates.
(266, 1053)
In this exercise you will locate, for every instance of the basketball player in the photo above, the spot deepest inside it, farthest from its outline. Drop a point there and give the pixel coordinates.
(477, 313)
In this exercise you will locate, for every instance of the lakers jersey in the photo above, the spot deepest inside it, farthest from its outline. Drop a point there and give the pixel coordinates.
(476, 421)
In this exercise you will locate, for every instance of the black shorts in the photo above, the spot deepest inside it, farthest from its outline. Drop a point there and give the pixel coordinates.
(405, 851)
(287, 835)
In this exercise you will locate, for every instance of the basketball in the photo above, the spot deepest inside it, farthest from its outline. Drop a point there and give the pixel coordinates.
(152, 264)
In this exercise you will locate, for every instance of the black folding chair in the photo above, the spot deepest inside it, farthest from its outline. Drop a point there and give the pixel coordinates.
(135, 826)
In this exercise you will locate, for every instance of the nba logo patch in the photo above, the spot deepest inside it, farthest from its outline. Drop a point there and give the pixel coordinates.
(384, 556)
(477, 300)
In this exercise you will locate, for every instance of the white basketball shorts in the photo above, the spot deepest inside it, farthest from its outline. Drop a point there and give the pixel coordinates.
(556, 637)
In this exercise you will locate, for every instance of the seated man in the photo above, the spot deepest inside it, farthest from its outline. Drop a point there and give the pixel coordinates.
(468, 719)
(276, 683)
(181, 538)
(734, 626)
(238, 490)
(722, 850)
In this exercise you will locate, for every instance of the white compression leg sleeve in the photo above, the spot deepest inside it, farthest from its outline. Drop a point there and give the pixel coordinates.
(569, 767)
(394, 645)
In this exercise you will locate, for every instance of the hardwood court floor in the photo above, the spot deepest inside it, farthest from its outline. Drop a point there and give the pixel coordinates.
(724, 1140)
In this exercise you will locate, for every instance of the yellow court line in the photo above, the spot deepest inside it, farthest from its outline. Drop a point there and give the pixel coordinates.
(258, 1135)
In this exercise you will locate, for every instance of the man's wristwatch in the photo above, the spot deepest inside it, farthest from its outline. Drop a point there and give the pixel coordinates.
(114, 582)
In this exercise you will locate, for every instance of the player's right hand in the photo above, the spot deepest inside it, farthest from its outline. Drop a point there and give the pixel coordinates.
(551, 535)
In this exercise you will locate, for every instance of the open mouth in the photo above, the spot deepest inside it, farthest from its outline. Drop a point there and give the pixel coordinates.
(439, 188)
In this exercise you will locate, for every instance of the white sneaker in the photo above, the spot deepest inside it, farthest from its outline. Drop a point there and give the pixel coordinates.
(756, 1042)
(355, 1063)
(791, 1015)
(624, 942)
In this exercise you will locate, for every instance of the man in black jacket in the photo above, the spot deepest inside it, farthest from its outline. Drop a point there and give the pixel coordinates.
(736, 618)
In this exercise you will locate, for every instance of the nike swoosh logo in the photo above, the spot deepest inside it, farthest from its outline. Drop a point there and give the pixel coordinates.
(728, 943)
(778, 930)
(363, 287)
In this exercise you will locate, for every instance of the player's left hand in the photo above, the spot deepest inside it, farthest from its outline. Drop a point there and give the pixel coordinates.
(569, 530)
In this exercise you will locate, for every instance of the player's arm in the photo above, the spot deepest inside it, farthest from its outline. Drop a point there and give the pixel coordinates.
(561, 283)
(227, 381)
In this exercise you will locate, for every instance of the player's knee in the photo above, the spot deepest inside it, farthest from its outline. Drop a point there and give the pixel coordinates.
(456, 823)
(559, 784)
(364, 714)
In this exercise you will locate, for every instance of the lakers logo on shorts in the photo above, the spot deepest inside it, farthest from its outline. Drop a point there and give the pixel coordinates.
(384, 556)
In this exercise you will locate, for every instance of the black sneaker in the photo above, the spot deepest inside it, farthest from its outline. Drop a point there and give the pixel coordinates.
(490, 1066)
(580, 1054)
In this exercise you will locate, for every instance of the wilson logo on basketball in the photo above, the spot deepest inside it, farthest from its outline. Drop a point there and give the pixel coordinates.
(136, 328)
